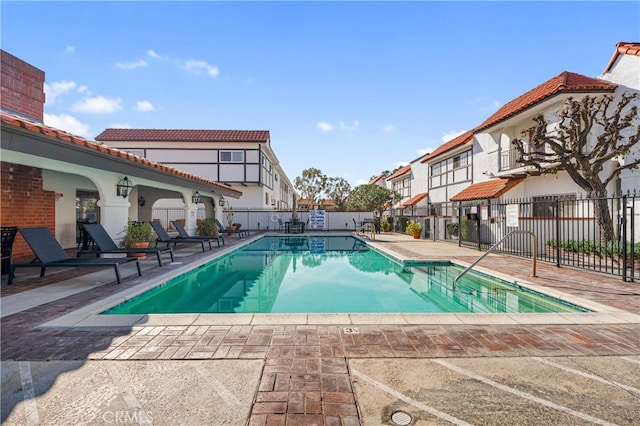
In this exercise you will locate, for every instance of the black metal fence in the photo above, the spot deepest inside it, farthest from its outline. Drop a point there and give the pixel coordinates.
(597, 234)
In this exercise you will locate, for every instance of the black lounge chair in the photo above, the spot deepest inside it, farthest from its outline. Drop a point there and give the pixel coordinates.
(49, 254)
(106, 245)
(239, 232)
(164, 237)
(182, 233)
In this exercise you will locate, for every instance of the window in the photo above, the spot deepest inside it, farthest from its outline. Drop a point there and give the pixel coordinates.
(544, 206)
(231, 156)
(138, 152)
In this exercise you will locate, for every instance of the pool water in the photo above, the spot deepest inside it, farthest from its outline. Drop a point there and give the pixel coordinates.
(333, 274)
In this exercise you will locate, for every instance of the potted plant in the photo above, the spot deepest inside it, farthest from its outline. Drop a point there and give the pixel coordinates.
(138, 235)
(386, 226)
(414, 228)
(207, 228)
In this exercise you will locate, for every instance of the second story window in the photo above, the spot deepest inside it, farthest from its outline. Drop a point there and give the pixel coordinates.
(231, 156)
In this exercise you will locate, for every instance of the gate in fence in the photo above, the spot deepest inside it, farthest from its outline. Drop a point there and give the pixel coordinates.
(600, 234)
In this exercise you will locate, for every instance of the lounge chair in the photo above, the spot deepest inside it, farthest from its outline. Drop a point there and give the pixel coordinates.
(239, 232)
(182, 233)
(164, 237)
(107, 245)
(49, 254)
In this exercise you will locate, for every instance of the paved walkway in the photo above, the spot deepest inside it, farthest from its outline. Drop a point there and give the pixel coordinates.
(341, 369)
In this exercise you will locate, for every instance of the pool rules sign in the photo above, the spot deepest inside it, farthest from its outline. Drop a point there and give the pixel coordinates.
(316, 219)
(513, 213)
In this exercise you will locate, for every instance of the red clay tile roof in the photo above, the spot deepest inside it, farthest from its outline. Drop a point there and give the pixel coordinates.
(493, 188)
(400, 172)
(415, 199)
(623, 48)
(562, 83)
(377, 179)
(448, 146)
(178, 135)
(17, 121)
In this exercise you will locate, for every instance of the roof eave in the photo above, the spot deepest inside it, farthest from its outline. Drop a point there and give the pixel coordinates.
(20, 140)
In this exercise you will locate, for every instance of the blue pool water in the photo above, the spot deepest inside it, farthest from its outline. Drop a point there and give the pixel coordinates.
(332, 274)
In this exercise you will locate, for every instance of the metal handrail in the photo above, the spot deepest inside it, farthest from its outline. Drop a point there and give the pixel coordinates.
(534, 250)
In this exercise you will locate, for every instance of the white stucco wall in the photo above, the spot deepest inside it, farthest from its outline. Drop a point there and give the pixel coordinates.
(625, 71)
(66, 184)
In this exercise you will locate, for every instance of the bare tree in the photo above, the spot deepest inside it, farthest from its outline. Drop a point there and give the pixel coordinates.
(593, 140)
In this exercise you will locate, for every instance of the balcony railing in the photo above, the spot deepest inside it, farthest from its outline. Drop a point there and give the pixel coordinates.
(509, 158)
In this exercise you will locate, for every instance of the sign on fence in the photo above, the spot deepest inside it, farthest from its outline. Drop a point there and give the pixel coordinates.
(316, 219)
(513, 214)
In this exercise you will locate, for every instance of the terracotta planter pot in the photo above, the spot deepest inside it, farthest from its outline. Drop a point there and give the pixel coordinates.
(416, 235)
(139, 255)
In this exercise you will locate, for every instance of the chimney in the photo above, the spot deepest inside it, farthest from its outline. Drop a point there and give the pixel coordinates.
(22, 87)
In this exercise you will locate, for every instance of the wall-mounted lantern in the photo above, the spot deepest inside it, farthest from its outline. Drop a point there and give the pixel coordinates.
(195, 198)
(124, 187)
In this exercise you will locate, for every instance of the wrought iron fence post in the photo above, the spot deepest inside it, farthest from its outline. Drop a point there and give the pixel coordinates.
(459, 224)
(556, 204)
(624, 237)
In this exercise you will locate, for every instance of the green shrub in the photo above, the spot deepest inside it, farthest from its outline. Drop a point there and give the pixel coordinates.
(208, 228)
(453, 229)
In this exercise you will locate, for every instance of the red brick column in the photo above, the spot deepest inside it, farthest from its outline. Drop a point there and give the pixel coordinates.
(25, 203)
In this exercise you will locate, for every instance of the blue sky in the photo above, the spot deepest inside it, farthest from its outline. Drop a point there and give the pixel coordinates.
(350, 88)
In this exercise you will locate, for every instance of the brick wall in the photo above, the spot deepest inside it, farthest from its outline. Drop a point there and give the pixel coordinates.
(22, 87)
(25, 203)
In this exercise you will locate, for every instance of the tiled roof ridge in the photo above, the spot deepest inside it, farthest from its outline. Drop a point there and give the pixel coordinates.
(197, 135)
(623, 48)
(451, 144)
(377, 178)
(565, 81)
(36, 127)
(401, 171)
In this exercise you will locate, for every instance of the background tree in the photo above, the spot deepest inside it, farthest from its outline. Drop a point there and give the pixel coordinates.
(311, 185)
(338, 190)
(593, 140)
(369, 198)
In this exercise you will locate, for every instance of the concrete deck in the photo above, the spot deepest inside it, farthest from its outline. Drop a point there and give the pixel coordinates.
(63, 364)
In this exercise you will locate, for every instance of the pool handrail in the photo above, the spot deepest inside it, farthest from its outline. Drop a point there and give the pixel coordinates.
(534, 252)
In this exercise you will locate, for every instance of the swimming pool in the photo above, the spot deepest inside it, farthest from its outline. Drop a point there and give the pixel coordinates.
(332, 274)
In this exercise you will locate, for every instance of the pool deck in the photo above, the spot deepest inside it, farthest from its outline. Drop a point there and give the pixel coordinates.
(64, 364)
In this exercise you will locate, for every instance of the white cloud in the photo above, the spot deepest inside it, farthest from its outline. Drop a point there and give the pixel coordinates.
(57, 88)
(424, 151)
(152, 54)
(131, 65)
(67, 123)
(452, 135)
(497, 104)
(197, 67)
(84, 90)
(361, 182)
(98, 105)
(70, 50)
(349, 128)
(402, 163)
(145, 106)
(325, 127)
(389, 128)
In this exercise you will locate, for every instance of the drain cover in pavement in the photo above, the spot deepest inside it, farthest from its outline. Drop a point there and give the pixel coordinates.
(401, 418)
(351, 330)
